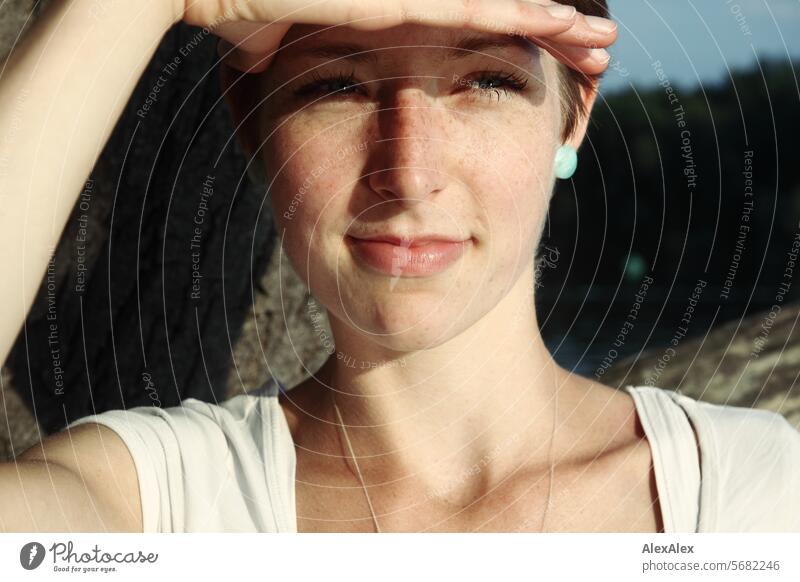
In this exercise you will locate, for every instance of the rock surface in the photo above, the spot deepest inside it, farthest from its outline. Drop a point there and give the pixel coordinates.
(753, 362)
(252, 321)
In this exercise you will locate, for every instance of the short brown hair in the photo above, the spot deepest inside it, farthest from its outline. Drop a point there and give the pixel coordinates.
(571, 80)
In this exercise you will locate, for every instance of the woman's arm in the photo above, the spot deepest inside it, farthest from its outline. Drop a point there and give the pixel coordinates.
(81, 480)
(62, 91)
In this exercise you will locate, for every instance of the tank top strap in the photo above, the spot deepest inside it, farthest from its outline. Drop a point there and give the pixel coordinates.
(280, 470)
(271, 387)
(674, 449)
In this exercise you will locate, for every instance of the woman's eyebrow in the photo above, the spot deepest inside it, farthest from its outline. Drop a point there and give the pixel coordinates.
(465, 47)
(483, 42)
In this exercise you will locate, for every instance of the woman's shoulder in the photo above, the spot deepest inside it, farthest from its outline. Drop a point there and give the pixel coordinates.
(750, 465)
(750, 429)
(230, 413)
(745, 435)
(199, 462)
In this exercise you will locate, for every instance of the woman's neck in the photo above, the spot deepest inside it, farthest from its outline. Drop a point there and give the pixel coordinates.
(480, 404)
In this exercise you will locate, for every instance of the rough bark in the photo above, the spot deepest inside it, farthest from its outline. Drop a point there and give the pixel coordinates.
(752, 362)
(132, 333)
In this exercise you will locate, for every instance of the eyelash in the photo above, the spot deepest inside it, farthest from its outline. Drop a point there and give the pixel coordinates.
(510, 83)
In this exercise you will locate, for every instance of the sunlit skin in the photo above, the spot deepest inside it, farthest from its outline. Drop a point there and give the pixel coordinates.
(436, 374)
(423, 410)
(439, 157)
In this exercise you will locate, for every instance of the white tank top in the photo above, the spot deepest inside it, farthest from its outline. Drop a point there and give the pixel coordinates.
(231, 466)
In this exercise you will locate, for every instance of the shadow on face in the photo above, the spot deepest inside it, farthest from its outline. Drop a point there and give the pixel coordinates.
(438, 141)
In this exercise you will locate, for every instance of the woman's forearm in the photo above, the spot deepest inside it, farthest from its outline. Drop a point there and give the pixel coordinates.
(63, 89)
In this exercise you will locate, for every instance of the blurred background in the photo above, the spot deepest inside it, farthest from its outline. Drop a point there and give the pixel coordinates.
(669, 259)
(687, 177)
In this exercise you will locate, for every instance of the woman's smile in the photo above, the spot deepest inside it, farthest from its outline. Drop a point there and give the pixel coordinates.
(407, 258)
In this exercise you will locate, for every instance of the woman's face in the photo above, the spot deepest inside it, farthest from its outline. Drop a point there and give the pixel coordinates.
(431, 131)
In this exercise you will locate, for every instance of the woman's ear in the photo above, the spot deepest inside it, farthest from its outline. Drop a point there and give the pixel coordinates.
(241, 92)
(589, 96)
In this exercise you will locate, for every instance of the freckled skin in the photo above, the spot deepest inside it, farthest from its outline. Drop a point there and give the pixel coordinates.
(402, 144)
(414, 152)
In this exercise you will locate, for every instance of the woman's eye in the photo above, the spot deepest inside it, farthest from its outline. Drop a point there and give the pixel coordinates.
(345, 85)
(337, 85)
(493, 83)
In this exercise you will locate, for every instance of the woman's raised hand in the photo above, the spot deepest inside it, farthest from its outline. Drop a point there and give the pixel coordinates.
(252, 29)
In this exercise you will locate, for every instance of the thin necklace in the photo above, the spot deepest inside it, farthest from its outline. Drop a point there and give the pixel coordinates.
(353, 456)
(364, 487)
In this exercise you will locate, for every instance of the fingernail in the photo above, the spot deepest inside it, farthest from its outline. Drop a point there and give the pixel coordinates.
(599, 24)
(561, 11)
(600, 55)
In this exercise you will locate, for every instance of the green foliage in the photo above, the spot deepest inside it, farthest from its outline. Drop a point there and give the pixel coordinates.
(631, 195)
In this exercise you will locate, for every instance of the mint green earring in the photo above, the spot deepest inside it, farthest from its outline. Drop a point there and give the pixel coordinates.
(566, 162)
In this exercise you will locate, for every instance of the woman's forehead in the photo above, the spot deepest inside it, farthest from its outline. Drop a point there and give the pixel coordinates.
(448, 43)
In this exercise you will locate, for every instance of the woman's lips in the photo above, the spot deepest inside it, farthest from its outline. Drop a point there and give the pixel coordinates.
(415, 259)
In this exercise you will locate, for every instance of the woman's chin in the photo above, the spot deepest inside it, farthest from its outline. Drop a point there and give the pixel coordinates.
(410, 341)
(403, 323)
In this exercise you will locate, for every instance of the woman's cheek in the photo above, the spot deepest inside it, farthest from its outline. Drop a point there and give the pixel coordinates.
(310, 198)
(511, 189)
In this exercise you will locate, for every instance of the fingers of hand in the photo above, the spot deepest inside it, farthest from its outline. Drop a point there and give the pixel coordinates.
(591, 61)
(527, 17)
(565, 29)
(524, 17)
(588, 31)
(581, 45)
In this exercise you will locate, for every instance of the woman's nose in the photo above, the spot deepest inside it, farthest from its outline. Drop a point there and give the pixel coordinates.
(406, 162)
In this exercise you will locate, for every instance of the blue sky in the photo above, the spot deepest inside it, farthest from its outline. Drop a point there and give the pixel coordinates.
(698, 41)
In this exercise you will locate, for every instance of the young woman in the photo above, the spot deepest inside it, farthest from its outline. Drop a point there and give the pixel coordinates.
(409, 157)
